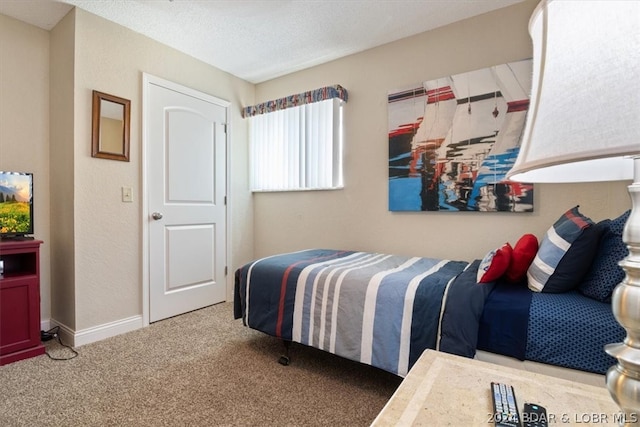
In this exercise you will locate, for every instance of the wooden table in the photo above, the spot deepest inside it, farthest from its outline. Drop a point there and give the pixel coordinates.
(446, 390)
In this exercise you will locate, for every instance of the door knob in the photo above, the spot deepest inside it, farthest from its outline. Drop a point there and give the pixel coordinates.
(156, 215)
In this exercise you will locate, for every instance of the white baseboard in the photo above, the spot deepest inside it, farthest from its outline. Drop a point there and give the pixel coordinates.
(96, 333)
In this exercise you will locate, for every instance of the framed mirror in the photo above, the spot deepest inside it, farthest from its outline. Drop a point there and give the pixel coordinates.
(110, 127)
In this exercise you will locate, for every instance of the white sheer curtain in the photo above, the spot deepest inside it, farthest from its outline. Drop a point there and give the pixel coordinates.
(298, 148)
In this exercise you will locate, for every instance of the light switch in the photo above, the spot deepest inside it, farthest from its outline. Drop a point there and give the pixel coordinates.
(127, 194)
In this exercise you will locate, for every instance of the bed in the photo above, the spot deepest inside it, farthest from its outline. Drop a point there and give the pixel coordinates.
(384, 310)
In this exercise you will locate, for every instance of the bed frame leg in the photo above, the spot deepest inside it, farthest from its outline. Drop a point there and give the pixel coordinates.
(284, 359)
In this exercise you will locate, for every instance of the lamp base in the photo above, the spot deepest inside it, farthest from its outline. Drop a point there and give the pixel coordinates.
(624, 385)
(623, 379)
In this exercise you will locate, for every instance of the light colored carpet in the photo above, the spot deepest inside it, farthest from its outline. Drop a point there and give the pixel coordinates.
(199, 369)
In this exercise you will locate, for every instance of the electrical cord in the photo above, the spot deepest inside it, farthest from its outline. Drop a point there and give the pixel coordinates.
(53, 334)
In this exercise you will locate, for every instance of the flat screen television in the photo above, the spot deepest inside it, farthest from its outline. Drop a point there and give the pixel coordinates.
(16, 204)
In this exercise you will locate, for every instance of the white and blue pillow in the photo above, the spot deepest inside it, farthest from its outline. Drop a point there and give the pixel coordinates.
(494, 264)
(565, 248)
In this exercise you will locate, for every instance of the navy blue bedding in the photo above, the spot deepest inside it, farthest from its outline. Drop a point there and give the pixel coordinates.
(504, 322)
(571, 330)
(382, 310)
(385, 310)
(461, 317)
(565, 329)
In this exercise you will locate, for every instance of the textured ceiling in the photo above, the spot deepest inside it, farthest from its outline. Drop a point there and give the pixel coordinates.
(258, 40)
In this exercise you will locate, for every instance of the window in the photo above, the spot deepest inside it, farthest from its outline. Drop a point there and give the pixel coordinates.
(297, 147)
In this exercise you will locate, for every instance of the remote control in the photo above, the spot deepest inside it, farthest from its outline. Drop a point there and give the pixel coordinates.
(505, 408)
(534, 415)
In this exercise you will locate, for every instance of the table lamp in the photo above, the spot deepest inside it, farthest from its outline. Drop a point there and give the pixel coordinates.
(583, 125)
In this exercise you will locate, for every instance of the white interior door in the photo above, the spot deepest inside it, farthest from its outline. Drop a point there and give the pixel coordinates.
(185, 139)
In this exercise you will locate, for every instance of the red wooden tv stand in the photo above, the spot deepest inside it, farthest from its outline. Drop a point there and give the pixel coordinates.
(20, 300)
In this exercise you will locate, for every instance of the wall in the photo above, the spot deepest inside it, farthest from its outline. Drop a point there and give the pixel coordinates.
(62, 162)
(24, 125)
(108, 248)
(92, 257)
(357, 217)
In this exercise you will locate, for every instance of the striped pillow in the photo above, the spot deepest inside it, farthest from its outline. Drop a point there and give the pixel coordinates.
(555, 244)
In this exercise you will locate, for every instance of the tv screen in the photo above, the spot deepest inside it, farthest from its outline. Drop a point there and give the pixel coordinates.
(16, 204)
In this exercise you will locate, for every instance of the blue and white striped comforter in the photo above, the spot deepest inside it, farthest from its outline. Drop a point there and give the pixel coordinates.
(382, 310)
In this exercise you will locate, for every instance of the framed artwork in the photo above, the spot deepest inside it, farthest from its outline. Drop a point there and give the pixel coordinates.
(452, 140)
(110, 126)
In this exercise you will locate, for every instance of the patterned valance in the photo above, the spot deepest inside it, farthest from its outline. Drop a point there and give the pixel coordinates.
(316, 95)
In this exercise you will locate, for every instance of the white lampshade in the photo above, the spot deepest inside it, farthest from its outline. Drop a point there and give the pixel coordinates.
(584, 116)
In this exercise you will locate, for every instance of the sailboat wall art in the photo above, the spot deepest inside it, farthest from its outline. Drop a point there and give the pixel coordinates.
(452, 141)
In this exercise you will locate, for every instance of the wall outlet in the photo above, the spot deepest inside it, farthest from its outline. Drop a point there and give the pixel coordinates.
(127, 194)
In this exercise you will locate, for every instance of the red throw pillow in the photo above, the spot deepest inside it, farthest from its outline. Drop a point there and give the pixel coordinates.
(494, 264)
(523, 254)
